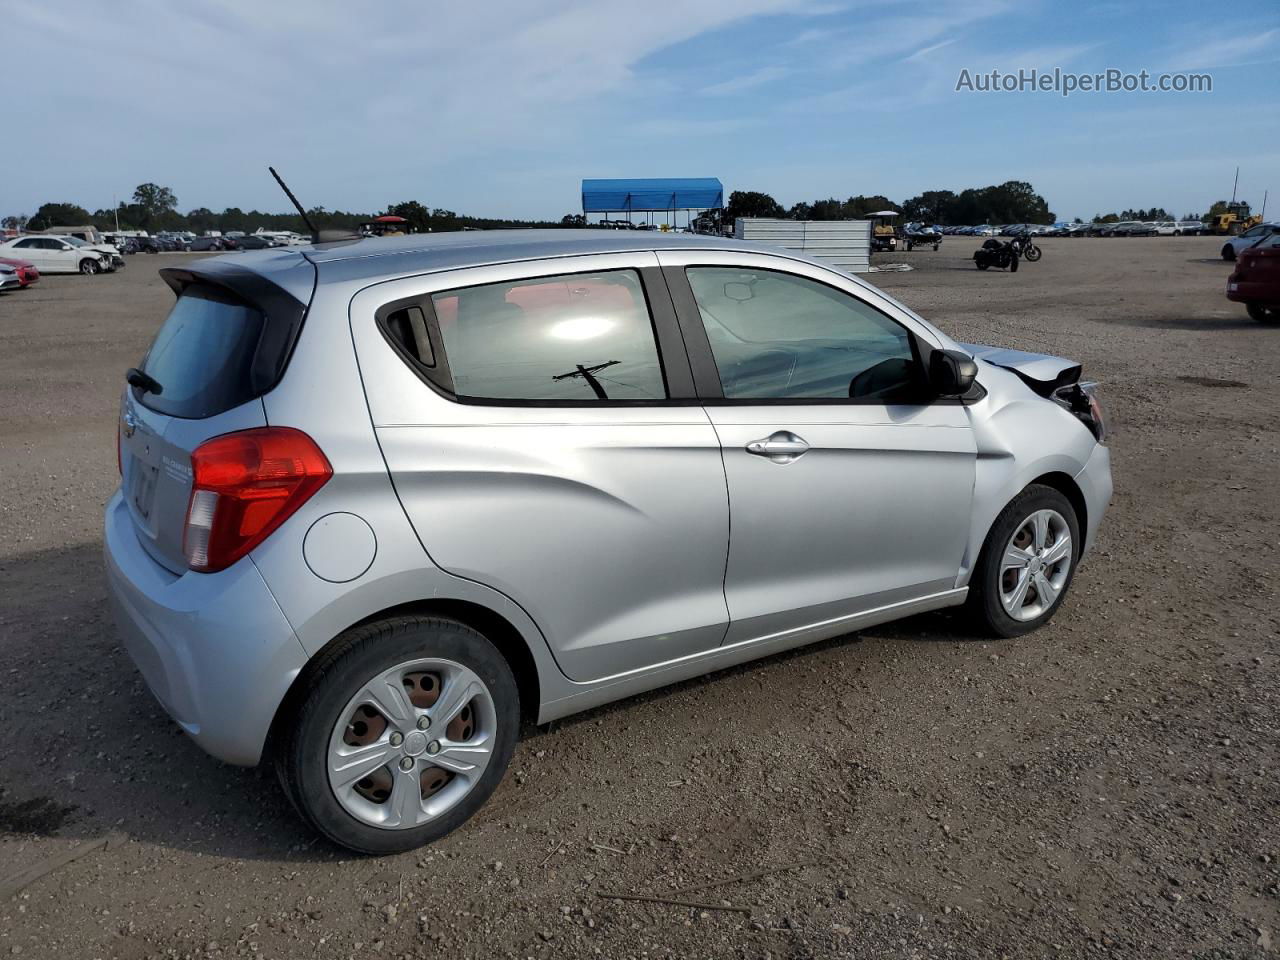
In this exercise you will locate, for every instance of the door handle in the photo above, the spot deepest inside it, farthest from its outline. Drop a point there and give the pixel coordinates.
(780, 447)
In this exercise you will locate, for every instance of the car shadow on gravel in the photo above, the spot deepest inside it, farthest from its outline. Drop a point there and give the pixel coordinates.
(121, 764)
(942, 626)
(111, 759)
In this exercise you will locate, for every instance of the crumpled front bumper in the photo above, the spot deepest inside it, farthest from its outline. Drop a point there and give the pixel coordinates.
(1095, 484)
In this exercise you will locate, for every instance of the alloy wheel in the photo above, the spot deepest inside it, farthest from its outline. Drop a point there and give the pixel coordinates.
(1036, 565)
(411, 743)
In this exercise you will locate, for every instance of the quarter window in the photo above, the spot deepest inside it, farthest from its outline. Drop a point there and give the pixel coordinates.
(780, 336)
(578, 338)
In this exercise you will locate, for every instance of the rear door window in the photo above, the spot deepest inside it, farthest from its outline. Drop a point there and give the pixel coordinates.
(203, 355)
(576, 338)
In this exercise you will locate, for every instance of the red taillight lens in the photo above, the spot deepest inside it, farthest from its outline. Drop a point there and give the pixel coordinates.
(244, 485)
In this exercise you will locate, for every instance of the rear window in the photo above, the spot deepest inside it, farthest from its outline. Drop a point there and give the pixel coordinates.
(571, 339)
(203, 355)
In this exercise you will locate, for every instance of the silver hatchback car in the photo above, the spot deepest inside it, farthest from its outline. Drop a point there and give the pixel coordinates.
(382, 499)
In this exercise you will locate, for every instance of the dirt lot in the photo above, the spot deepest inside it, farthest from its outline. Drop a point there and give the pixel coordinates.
(1105, 787)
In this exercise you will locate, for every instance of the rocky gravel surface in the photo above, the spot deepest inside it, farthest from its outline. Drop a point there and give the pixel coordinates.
(1104, 788)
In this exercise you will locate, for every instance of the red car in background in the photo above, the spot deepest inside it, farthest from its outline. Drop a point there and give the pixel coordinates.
(27, 273)
(1256, 280)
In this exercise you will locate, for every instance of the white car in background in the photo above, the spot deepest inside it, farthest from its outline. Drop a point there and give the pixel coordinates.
(1234, 245)
(50, 254)
(1188, 228)
(1166, 228)
(115, 259)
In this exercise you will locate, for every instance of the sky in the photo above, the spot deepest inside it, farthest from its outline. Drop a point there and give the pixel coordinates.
(500, 108)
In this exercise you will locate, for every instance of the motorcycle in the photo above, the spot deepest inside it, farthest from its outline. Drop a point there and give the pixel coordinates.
(1027, 248)
(996, 253)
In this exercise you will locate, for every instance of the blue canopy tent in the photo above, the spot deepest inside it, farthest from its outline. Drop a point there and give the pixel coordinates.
(647, 195)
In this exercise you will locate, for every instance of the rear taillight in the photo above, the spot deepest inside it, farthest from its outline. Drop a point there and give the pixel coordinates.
(244, 485)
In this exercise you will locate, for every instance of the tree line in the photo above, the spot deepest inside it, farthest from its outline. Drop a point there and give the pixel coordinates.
(1014, 201)
(155, 209)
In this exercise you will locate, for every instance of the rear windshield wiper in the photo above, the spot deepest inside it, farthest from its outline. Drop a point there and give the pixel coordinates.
(143, 381)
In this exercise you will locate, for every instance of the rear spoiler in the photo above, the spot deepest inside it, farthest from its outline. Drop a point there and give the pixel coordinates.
(1042, 373)
(283, 312)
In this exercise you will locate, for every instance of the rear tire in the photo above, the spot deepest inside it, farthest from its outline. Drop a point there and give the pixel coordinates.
(1268, 314)
(88, 267)
(359, 660)
(994, 580)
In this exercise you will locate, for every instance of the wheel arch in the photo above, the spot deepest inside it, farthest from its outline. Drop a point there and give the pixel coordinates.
(1067, 486)
(493, 625)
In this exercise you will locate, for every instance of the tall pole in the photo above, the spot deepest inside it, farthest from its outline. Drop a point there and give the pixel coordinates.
(1264, 205)
(1234, 185)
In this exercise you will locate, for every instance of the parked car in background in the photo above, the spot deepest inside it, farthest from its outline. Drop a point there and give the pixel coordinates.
(1233, 245)
(51, 254)
(253, 242)
(377, 534)
(1165, 228)
(985, 230)
(203, 244)
(1188, 228)
(115, 259)
(1255, 282)
(1130, 228)
(26, 271)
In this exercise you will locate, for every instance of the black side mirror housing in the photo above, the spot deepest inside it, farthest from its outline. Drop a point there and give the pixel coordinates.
(952, 372)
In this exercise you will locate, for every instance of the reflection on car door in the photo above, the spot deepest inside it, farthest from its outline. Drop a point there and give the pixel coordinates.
(31, 249)
(526, 423)
(838, 505)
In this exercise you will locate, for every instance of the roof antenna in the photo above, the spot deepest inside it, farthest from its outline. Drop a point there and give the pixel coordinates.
(317, 236)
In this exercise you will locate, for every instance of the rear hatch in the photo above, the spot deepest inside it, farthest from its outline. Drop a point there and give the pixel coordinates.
(225, 343)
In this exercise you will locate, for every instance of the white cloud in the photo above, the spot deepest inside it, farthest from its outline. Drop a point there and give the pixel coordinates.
(1225, 48)
(369, 101)
(748, 81)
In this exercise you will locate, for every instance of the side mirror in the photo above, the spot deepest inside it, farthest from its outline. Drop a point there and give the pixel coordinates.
(951, 372)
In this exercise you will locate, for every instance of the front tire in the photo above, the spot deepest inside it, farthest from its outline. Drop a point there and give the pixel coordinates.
(88, 267)
(1032, 253)
(1228, 252)
(1026, 565)
(407, 728)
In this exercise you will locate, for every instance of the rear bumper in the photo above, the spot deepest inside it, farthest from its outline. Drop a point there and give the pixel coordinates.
(1247, 291)
(215, 649)
(1094, 482)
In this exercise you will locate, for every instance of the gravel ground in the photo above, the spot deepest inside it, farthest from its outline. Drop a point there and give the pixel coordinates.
(1106, 787)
